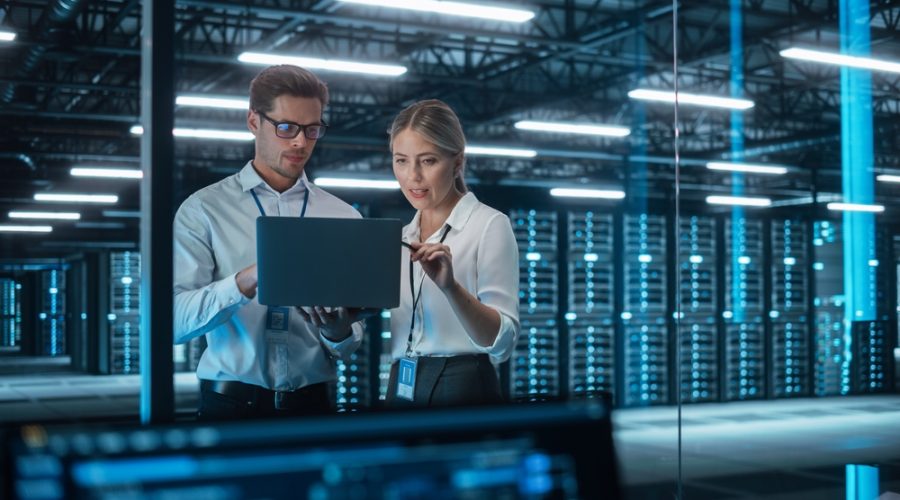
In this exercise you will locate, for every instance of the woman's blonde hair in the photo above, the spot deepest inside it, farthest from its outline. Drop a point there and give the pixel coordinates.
(440, 126)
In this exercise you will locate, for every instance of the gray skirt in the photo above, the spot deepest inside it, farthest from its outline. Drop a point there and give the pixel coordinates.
(464, 380)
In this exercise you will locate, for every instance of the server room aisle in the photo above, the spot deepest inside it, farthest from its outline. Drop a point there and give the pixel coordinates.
(68, 397)
(785, 449)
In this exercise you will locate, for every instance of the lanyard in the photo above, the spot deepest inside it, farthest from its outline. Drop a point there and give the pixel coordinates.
(263, 212)
(417, 296)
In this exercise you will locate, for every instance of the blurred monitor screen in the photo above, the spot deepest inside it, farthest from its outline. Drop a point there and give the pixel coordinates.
(546, 450)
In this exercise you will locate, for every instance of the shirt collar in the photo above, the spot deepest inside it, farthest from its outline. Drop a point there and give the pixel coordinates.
(250, 179)
(457, 220)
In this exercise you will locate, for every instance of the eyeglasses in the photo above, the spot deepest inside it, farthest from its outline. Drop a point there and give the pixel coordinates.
(289, 130)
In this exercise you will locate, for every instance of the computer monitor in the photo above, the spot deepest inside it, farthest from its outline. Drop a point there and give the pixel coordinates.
(543, 450)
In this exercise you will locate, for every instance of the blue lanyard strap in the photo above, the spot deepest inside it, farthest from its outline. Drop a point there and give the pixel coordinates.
(263, 212)
(417, 296)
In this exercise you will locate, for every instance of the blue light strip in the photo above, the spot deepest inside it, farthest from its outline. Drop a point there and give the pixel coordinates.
(857, 177)
(862, 482)
(736, 86)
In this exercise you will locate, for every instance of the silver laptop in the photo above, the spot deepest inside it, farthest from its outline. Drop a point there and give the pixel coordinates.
(328, 262)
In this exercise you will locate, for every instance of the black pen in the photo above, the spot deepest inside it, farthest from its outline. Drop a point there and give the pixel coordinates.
(407, 245)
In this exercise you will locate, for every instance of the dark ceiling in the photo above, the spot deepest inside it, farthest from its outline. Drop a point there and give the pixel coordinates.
(70, 82)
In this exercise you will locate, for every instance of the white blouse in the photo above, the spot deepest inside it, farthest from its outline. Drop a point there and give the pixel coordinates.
(485, 262)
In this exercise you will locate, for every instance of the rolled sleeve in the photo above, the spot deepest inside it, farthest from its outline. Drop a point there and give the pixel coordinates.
(343, 349)
(503, 345)
(498, 283)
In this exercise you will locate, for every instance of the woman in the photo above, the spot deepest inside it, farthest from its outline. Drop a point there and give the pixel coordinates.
(458, 312)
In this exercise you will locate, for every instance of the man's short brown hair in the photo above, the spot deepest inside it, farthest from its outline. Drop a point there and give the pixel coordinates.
(285, 79)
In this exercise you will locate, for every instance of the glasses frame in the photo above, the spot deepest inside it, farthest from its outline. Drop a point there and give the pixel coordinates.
(300, 128)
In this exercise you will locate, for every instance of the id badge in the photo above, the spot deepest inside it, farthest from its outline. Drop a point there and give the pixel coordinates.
(406, 379)
(278, 319)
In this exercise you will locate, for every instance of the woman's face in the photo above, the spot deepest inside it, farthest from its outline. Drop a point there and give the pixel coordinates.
(426, 174)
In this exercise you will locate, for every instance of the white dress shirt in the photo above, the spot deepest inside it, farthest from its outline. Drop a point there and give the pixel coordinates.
(215, 238)
(485, 262)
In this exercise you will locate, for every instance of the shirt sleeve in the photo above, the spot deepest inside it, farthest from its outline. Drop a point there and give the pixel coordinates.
(498, 283)
(201, 304)
(343, 349)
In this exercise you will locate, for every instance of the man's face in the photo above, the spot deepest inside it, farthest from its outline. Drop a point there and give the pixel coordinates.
(284, 157)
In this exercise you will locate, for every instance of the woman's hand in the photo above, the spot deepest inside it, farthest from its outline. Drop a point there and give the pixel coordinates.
(436, 261)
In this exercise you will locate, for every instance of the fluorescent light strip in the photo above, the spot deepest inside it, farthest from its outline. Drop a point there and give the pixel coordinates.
(356, 183)
(841, 59)
(747, 167)
(587, 193)
(452, 9)
(45, 215)
(738, 200)
(10, 228)
(126, 214)
(493, 151)
(695, 99)
(323, 64)
(107, 173)
(573, 128)
(76, 198)
(7, 36)
(203, 133)
(888, 178)
(855, 207)
(213, 102)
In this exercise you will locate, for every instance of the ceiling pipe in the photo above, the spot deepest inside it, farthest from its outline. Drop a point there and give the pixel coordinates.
(57, 14)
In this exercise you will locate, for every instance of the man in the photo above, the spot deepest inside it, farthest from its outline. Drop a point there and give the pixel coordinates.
(260, 361)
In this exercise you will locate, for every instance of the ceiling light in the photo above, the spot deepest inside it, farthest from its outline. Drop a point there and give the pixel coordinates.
(695, 99)
(45, 215)
(841, 59)
(7, 36)
(587, 193)
(10, 228)
(204, 133)
(888, 178)
(855, 207)
(100, 225)
(213, 102)
(746, 167)
(492, 151)
(126, 214)
(453, 9)
(738, 200)
(356, 183)
(323, 64)
(76, 198)
(108, 173)
(573, 128)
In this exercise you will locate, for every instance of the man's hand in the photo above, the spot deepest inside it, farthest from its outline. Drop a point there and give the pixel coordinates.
(247, 280)
(334, 323)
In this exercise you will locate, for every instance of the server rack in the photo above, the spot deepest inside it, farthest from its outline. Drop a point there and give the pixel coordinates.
(590, 303)
(534, 366)
(10, 315)
(384, 357)
(832, 361)
(123, 318)
(745, 347)
(698, 338)
(353, 390)
(52, 316)
(789, 342)
(646, 342)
